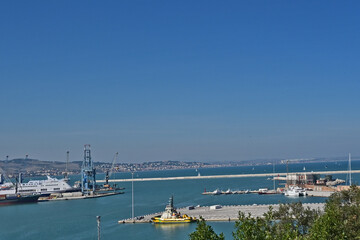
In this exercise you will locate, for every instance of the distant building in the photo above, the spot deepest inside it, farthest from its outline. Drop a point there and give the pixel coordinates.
(311, 179)
(301, 179)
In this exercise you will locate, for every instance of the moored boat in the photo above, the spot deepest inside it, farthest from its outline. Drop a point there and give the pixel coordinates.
(263, 190)
(170, 215)
(228, 191)
(295, 191)
(7, 199)
(49, 185)
(216, 192)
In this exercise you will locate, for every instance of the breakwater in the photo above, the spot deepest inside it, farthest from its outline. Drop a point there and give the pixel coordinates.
(224, 176)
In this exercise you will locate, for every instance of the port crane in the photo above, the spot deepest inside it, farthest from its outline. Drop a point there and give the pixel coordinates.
(88, 173)
(108, 174)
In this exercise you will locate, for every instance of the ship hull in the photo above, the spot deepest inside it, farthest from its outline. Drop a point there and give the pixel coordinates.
(170, 221)
(17, 199)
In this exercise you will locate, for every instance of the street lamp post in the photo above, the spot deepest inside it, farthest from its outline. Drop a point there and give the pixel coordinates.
(132, 197)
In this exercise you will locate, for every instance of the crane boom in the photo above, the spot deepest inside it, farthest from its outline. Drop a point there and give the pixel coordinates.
(113, 163)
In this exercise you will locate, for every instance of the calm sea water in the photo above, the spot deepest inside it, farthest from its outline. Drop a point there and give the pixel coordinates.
(76, 219)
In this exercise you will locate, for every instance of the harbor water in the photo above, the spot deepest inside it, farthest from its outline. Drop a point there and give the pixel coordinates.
(76, 219)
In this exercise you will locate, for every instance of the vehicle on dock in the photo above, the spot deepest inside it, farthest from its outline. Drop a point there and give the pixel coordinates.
(170, 215)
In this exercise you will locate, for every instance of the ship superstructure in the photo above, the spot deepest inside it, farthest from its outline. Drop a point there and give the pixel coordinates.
(50, 185)
(170, 215)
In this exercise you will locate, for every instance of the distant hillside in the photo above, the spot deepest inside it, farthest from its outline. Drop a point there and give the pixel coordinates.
(34, 167)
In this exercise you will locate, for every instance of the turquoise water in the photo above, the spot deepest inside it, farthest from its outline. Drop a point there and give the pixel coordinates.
(76, 219)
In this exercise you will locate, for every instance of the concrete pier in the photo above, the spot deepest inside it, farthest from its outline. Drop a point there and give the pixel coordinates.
(76, 196)
(224, 176)
(222, 214)
(319, 193)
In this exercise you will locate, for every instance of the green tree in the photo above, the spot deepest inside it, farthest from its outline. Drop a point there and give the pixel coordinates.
(291, 221)
(248, 227)
(294, 220)
(205, 232)
(341, 218)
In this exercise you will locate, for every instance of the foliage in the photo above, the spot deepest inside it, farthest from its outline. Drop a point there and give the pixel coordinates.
(205, 232)
(291, 221)
(248, 227)
(341, 219)
(294, 220)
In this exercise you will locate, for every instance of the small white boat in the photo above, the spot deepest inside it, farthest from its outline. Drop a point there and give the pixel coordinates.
(263, 190)
(228, 191)
(216, 192)
(295, 191)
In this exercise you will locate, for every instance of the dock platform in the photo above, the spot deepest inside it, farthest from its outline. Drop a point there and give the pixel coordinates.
(220, 213)
(76, 196)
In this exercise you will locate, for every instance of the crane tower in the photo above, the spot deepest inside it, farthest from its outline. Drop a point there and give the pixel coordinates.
(88, 173)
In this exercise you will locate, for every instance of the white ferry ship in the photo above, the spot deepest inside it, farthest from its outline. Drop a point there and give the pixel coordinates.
(50, 185)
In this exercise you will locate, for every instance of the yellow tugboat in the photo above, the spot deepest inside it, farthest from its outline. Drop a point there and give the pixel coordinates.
(170, 215)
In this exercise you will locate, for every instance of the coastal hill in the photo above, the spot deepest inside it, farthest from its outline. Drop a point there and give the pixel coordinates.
(34, 167)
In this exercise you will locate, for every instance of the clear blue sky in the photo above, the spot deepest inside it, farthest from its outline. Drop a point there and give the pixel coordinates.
(179, 80)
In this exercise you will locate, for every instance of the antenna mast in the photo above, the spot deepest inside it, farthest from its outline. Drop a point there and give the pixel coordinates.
(67, 161)
(66, 168)
(350, 169)
(132, 196)
(274, 174)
